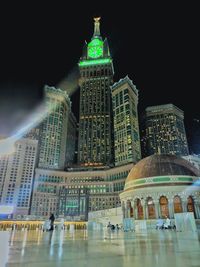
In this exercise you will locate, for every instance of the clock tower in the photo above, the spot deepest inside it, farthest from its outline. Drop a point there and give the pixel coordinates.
(95, 121)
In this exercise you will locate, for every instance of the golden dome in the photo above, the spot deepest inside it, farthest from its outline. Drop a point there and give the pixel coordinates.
(160, 165)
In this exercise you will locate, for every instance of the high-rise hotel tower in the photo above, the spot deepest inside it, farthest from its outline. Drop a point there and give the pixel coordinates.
(53, 132)
(163, 131)
(126, 128)
(95, 122)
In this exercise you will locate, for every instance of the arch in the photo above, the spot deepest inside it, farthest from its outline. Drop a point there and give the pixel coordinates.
(177, 204)
(164, 208)
(140, 211)
(190, 205)
(130, 209)
(150, 208)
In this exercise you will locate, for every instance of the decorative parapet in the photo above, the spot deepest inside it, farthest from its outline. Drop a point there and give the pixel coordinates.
(162, 179)
(56, 92)
(124, 81)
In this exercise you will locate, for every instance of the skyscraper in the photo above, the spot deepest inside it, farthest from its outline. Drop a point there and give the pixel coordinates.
(53, 132)
(163, 131)
(126, 128)
(71, 140)
(34, 133)
(16, 176)
(95, 122)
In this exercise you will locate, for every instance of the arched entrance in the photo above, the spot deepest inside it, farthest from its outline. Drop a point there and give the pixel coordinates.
(177, 205)
(140, 210)
(131, 212)
(190, 205)
(151, 208)
(164, 209)
(130, 209)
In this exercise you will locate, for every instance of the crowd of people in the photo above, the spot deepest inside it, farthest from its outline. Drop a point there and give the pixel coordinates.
(161, 224)
(165, 224)
(49, 225)
(113, 227)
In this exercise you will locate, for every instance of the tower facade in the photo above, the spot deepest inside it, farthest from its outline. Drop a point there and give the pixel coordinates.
(71, 140)
(126, 128)
(53, 132)
(95, 122)
(16, 176)
(164, 131)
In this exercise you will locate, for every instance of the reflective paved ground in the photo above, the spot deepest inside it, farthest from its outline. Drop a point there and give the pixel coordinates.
(101, 248)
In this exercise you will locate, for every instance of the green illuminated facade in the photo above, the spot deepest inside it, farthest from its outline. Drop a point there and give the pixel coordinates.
(95, 122)
(74, 202)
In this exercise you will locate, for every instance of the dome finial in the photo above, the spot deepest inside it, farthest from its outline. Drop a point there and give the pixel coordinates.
(97, 27)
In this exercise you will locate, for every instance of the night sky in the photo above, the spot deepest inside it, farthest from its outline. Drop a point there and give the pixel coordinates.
(156, 45)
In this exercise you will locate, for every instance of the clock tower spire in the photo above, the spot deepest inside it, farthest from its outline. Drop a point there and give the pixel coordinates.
(95, 142)
(97, 33)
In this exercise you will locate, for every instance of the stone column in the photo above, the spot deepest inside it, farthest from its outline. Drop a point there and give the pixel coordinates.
(184, 205)
(133, 207)
(128, 210)
(123, 210)
(125, 213)
(197, 209)
(142, 202)
(157, 208)
(135, 210)
(146, 211)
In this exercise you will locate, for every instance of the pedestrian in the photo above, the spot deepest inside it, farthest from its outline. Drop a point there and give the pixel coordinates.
(167, 224)
(160, 223)
(52, 219)
(112, 227)
(109, 225)
(117, 226)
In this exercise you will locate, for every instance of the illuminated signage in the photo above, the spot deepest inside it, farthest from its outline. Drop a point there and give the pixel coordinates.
(6, 209)
(94, 62)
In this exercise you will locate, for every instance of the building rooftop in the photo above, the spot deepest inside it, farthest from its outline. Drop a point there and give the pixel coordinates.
(164, 108)
(126, 79)
(160, 165)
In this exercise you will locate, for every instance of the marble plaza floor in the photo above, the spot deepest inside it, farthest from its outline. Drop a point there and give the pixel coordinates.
(99, 248)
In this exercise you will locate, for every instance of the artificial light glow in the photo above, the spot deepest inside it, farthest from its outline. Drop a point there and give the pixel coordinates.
(6, 209)
(95, 51)
(95, 48)
(7, 145)
(70, 82)
(95, 42)
(94, 62)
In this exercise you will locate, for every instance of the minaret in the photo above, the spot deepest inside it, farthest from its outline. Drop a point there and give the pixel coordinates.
(95, 123)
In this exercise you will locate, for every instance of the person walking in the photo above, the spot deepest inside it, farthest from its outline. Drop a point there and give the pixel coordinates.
(167, 224)
(52, 219)
(160, 223)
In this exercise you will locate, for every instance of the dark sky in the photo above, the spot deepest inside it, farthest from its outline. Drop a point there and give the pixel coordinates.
(156, 45)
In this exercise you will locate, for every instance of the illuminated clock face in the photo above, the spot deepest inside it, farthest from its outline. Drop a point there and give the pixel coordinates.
(95, 51)
(95, 48)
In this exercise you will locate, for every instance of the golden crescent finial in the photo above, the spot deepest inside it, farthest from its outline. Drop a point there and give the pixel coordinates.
(97, 19)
